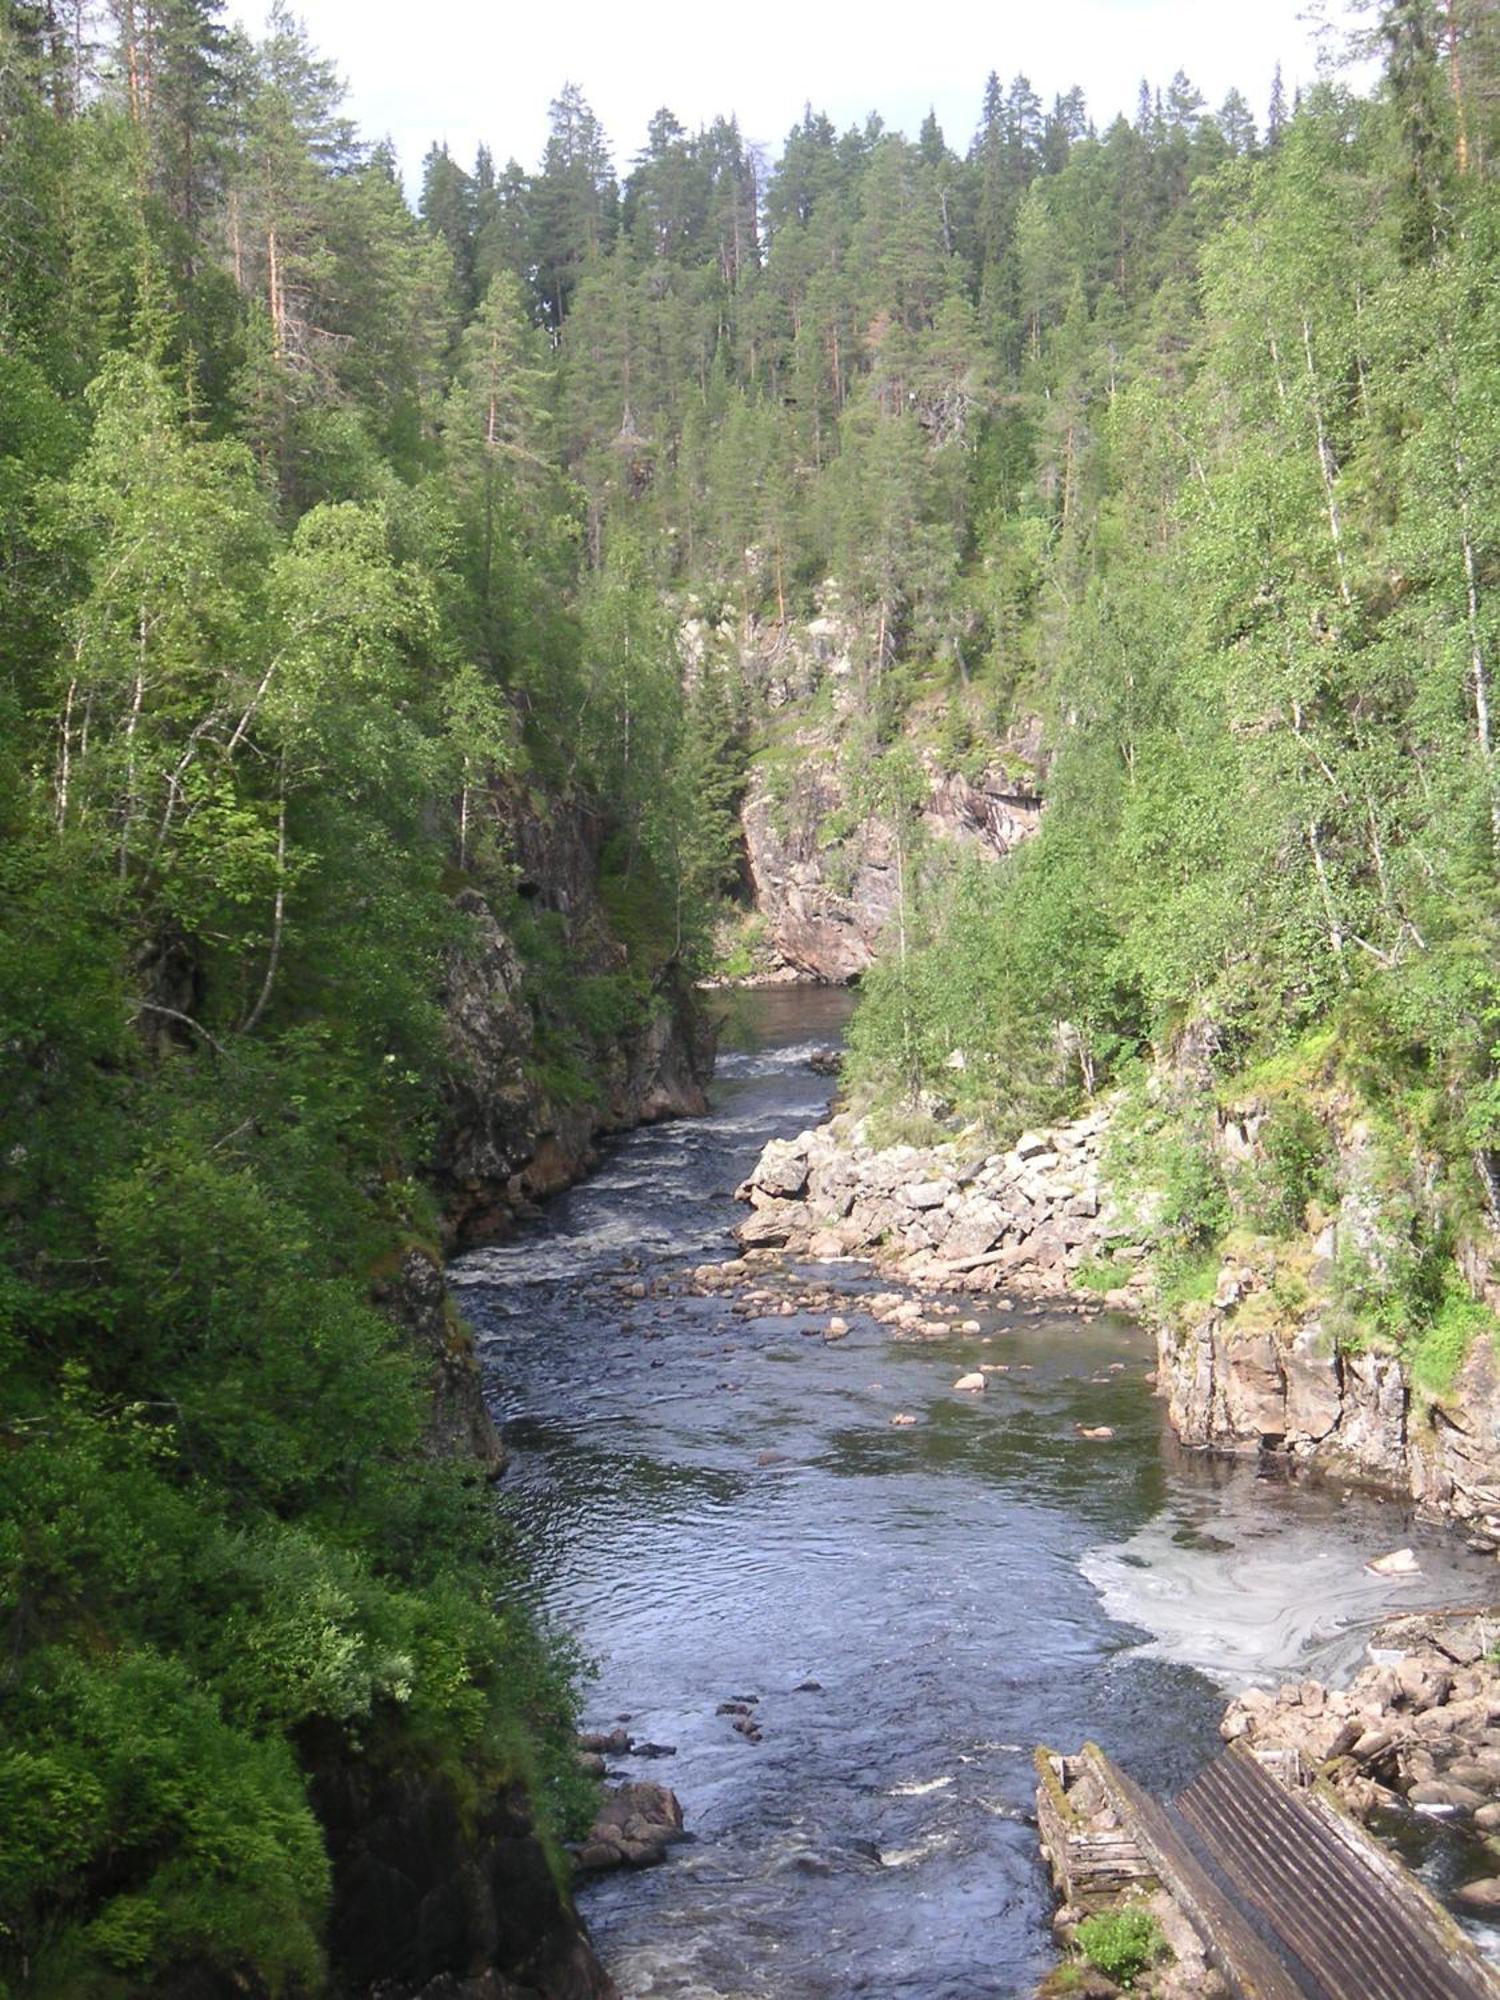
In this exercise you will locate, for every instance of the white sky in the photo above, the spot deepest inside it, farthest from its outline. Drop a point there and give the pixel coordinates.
(465, 72)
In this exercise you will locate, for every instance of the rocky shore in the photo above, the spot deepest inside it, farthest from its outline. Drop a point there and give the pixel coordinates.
(1417, 1730)
(1254, 1366)
(1033, 1219)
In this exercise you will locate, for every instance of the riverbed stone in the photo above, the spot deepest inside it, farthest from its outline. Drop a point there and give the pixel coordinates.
(1445, 1792)
(770, 1226)
(634, 1827)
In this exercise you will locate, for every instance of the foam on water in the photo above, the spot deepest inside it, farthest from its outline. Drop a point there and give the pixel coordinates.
(1247, 1590)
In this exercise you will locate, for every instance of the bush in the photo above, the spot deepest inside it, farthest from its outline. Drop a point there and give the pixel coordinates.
(1097, 1274)
(1298, 1169)
(1123, 1943)
(1436, 1355)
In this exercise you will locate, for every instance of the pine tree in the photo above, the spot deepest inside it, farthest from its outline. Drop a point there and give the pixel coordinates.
(448, 207)
(573, 203)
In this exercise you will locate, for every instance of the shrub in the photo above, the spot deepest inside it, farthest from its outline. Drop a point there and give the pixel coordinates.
(1438, 1352)
(1096, 1274)
(1298, 1169)
(1123, 1943)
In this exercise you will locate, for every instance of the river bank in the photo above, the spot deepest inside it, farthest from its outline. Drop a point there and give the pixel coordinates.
(953, 1216)
(1249, 1356)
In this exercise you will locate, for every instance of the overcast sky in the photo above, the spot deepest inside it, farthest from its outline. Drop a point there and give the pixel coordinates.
(465, 72)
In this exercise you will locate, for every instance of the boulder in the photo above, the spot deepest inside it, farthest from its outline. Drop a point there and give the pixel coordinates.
(927, 1194)
(782, 1170)
(1400, 1562)
(771, 1227)
(633, 1829)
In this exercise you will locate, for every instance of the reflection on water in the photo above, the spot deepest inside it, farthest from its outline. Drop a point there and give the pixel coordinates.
(720, 1507)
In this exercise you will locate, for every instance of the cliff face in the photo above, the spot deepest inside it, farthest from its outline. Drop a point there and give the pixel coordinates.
(438, 1899)
(820, 866)
(416, 1297)
(509, 1138)
(1248, 1372)
(1282, 1356)
(827, 896)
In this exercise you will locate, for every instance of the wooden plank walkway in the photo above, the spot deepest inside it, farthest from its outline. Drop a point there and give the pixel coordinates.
(1294, 1900)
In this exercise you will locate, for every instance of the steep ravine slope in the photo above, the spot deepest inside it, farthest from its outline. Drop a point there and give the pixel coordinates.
(434, 1897)
(534, 1077)
(826, 877)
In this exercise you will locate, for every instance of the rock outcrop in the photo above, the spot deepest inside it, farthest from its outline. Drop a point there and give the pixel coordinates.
(438, 1898)
(1024, 1220)
(1256, 1368)
(820, 866)
(1253, 1368)
(827, 897)
(416, 1296)
(506, 1141)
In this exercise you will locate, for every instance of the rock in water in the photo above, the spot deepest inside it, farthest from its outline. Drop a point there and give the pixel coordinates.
(969, 1383)
(1400, 1562)
(636, 1825)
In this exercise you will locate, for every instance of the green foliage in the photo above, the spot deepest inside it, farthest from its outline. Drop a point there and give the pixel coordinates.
(131, 1778)
(1438, 1353)
(332, 538)
(1295, 1168)
(1101, 1274)
(1123, 1943)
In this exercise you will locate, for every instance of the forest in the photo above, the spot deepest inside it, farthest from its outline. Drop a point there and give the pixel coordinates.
(338, 530)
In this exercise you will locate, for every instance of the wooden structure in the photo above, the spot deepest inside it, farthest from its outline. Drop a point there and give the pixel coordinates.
(1095, 1854)
(1292, 1899)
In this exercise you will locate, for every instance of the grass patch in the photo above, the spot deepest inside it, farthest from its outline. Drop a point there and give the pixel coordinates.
(1100, 1274)
(1189, 1280)
(905, 1125)
(1312, 1060)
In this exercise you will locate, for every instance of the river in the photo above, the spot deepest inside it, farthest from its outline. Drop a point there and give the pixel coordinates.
(718, 1506)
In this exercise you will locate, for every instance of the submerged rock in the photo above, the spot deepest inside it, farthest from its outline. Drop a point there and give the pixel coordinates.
(1400, 1562)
